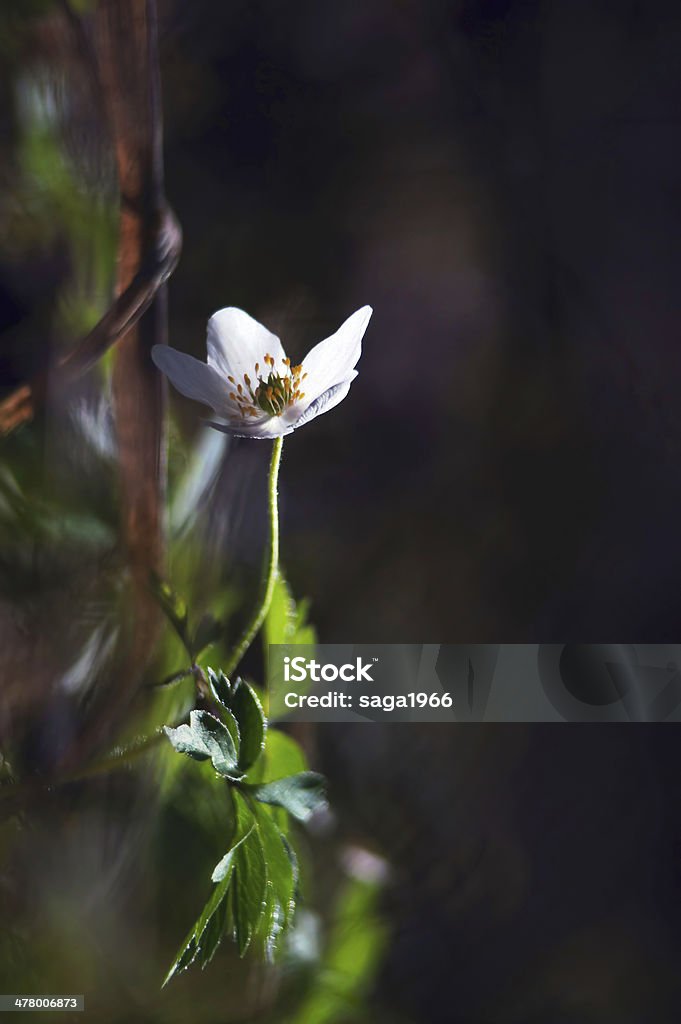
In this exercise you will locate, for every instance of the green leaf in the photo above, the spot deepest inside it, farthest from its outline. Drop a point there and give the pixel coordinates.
(286, 624)
(243, 703)
(207, 737)
(219, 686)
(301, 795)
(250, 717)
(244, 823)
(186, 741)
(250, 888)
(281, 878)
(205, 935)
(197, 944)
(282, 756)
(281, 615)
(217, 740)
(286, 621)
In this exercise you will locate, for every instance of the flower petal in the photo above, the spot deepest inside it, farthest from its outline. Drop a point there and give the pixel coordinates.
(236, 342)
(326, 401)
(192, 378)
(331, 361)
(273, 426)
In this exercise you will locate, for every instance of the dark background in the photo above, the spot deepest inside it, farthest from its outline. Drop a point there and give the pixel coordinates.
(500, 181)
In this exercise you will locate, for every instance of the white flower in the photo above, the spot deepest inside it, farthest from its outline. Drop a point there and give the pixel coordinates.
(249, 381)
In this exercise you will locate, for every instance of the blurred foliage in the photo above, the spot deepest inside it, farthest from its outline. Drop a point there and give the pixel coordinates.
(57, 204)
(355, 946)
(228, 806)
(496, 179)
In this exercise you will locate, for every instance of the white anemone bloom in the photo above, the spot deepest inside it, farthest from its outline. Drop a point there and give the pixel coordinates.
(249, 381)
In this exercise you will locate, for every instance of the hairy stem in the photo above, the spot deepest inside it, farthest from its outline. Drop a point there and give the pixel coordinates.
(271, 568)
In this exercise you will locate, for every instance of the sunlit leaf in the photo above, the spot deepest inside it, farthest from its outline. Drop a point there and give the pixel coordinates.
(281, 616)
(241, 700)
(185, 741)
(281, 877)
(219, 686)
(282, 756)
(301, 795)
(250, 888)
(243, 825)
(247, 710)
(285, 624)
(207, 737)
(206, 933)
(196, 943)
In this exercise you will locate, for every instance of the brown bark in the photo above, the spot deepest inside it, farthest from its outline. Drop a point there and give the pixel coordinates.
(126, 65)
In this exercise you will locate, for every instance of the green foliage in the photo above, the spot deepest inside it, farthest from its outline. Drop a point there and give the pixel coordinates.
(206, 933)
(356, 945)
(219, 686)
(282, 756)
(286, 623)
(207, 737)
(58, 199)
(301, 795)
(250, 889)
(242, 703)
(253, 898)
(252, 723)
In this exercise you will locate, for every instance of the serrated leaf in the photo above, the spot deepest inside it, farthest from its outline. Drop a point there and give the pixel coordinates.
(286, 621)
(217, 740)
(186, 742)
(206, 933)
(196, 943)
(250, 889)
(244, 823)
(233, 727)
(247, 710)
(280, 878)
(301, 795)
(219, 687)
(293, 857)
(207, 737)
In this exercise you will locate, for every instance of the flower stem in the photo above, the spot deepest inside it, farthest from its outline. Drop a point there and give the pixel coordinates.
(271, 568)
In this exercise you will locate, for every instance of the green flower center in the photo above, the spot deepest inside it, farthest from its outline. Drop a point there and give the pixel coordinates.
(273, 393)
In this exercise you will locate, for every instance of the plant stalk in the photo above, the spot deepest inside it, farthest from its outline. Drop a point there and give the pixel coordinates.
(271, 567)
